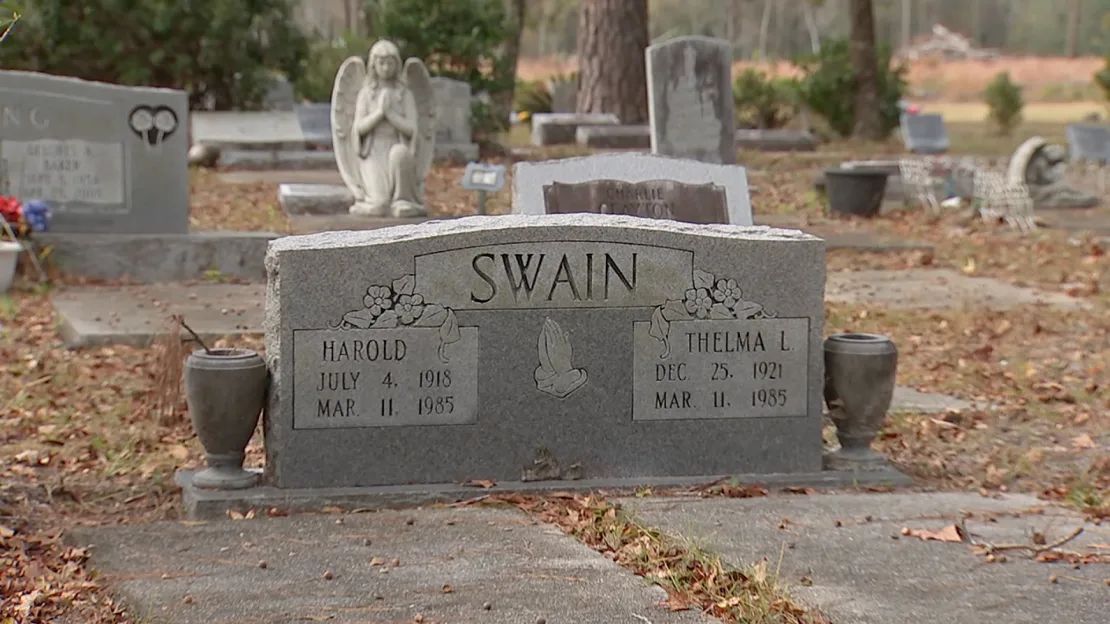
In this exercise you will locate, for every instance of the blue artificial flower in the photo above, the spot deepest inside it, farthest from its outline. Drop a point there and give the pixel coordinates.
(37, 214)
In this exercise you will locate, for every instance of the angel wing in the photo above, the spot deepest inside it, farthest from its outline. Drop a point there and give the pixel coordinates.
(423, 140)
(344, 98)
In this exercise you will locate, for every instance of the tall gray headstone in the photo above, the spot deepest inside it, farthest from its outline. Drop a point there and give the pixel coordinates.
(690, 102)
(564, 94)
(523, 348)
(107, 158)
(652, 186)
(453, 134)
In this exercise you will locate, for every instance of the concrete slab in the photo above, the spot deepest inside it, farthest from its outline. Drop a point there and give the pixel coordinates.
(134, 315)
(445, 565)
(934, 289)
(307, 176)
(842, 544)
(910, 400)
(838, 237)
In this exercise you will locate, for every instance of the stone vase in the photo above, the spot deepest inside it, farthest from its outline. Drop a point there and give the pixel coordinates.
(857, 192)
(9, 258)
(859, 384)
(225, 390)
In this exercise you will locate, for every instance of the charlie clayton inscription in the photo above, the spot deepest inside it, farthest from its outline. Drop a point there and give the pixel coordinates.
(654, 199)
(627, 346)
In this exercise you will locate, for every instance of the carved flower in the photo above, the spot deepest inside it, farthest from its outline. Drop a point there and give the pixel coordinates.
(378, 299)
(409, 308)
(698, 302)
(726, 292)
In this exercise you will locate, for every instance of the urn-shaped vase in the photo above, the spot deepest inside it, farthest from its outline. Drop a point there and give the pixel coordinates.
(859, 385)
(225, 390)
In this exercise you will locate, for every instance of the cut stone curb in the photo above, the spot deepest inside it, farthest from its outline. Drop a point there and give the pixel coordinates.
(934, 289)
(910, 400)
(860, 575)
(443, 564)
(206, 504)
(134, 315)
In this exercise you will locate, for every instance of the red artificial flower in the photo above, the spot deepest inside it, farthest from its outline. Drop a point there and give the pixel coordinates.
(11, 210)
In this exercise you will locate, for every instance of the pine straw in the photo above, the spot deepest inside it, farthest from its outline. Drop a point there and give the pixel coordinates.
(692, 577)
(168, 352)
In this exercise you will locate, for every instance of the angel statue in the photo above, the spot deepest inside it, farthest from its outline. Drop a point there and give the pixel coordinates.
(383, 127)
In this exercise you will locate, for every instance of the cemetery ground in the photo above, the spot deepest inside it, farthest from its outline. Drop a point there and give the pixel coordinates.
(93, 436)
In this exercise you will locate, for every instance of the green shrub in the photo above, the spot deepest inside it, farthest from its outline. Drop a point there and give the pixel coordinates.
(1005, 103)
(222, 52)
(1102, 79)
(314, 82)
(532, 97)
(763, 102)
(458, 39)
(828, 86)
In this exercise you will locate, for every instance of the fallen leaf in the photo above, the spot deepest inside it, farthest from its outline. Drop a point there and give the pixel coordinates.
(485, 484)
(950, 533)
(179, 452)
(1083, 441)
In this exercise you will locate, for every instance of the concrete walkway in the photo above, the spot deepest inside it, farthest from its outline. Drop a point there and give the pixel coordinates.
(934, 289)
(444, 565)
(845, 554)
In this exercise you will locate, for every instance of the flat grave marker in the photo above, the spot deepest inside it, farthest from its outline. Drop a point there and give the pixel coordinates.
(107, 158)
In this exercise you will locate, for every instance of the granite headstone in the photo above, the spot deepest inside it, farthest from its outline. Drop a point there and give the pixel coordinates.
(924, 133)
(672, 188)
(690, 103)
(453, 138)
(522, 348)
(107, 158)
(1089, 143)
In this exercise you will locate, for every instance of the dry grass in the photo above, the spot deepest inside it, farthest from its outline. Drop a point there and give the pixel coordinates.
(1044, 78)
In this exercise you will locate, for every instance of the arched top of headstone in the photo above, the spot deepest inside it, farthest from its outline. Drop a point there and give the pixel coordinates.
(1019, 162)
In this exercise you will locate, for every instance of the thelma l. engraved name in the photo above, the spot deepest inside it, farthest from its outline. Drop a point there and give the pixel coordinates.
(575, 274)
(722, 369)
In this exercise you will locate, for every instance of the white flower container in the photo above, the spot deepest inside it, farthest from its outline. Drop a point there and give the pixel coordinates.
(9, 253)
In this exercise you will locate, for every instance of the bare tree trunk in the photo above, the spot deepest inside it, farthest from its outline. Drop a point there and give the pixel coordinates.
(1075, 13)
(868, 123)
(612, 37)
(764, 26)
(907, 23)
(510, 53)
(811, 26)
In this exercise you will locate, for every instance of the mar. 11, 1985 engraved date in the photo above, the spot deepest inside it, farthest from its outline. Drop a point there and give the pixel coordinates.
(722, 369)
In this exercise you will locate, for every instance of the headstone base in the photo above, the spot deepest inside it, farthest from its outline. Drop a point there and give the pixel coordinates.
(202, 504)
(614, 137)
(776, 140)
(459, 153)
(264, 160)
(149, 258)
(314, 199)
(560, 128)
